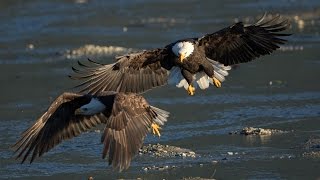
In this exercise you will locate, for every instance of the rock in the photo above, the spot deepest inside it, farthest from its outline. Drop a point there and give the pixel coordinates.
(196, 178)
(214, 162)
(260, 131)
(230, 153)
(312, 147)
(159, 150)
(312, 154)
(166, 151)
(158, 168)
(161, 168)
(233, 132)
(313, 143)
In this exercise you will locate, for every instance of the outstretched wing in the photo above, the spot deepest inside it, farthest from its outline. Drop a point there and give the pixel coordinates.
(57, 124)
(136, 73)
(129, 123)
(239, 43)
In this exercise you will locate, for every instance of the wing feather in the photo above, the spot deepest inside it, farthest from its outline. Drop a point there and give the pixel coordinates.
(58, 123)
(135, 72)
(129, 123)
(240, 43)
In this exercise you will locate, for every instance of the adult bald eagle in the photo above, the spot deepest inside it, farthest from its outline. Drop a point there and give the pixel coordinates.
(127, 119)
(204, 60)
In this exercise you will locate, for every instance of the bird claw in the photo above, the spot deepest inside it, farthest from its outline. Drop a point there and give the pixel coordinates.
(191, 90)
(155, 129)
(216, 82)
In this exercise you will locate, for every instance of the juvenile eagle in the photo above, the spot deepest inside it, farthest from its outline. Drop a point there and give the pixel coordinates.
(204, 60)
(127, 119)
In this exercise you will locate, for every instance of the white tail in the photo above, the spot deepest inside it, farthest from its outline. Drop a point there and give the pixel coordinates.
(161, 117)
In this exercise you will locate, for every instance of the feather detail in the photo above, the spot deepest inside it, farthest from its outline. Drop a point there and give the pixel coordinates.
(202, 80)
(161, 115)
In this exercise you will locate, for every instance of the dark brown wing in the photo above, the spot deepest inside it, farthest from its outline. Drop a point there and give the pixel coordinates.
(239, 43)
(129, 123)
(136, 73)
(57, 124)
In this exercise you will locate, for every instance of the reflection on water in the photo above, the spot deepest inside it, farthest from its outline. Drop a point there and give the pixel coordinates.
(263, 139)
(41, 40)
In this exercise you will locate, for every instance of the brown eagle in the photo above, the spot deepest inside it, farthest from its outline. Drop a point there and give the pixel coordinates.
(127, 118)
(205, 60)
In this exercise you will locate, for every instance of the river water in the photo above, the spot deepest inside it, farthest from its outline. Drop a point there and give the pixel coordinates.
(40, 41)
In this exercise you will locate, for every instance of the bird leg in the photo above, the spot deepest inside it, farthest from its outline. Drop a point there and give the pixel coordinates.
(216, 82)
(188, 76)
(155, 129)
(191, 90)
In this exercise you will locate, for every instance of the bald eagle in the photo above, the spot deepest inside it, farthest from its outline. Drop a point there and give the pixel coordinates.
(205, 60)
(127, 118)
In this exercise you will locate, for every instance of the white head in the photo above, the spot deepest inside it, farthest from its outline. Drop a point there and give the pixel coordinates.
(183, 49)
(93, 107)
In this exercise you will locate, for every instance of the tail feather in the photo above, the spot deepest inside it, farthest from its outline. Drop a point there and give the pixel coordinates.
(183, 83)
(161, 117)
(219, 76)
(202, 80)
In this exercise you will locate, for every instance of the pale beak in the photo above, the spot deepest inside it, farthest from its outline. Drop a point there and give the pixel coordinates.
(182, 56)
(78, 111)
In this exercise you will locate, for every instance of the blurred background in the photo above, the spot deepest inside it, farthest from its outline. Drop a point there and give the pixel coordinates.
(40, 40)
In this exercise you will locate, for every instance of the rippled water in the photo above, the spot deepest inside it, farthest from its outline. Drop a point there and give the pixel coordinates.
(281, 91)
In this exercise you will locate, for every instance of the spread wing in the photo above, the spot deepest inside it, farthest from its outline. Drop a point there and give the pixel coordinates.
(136, 73)
(57, 124)
(239, 43)
(129, 123)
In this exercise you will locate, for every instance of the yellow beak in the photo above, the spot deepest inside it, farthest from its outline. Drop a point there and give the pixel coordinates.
(182, 57)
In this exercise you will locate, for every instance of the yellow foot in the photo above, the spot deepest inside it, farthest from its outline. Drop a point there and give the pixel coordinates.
(216, 82)
(155, 129)
(191, 90)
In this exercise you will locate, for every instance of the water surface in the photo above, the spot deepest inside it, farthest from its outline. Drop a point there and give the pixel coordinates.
(281, 91)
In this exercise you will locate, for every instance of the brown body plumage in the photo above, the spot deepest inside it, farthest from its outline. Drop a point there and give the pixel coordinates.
(127, 119)
(210, 54)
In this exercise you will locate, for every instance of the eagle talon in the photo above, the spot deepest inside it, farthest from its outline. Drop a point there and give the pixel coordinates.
(216, 82)
(155, 129)
(191, 90)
